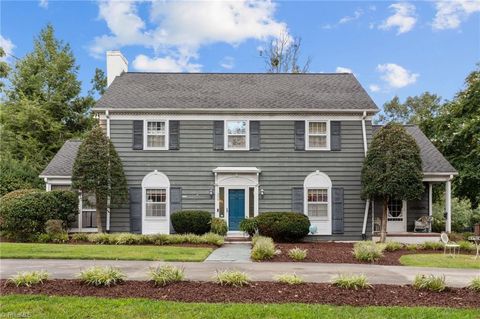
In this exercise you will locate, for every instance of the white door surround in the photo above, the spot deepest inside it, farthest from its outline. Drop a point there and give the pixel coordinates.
(398, 222)
(156, 224)
(319, 180)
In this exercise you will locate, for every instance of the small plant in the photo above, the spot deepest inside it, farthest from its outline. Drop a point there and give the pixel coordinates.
(29, 278)
(431, 282)
(212, 239)
(368, 251)
(297, 254)
(102, 276)
(263, 249)
(393, 246)
(53, 238)
(249, 225)
(290, 279)
(231, 278)
(351, 282)
(80, 237)
(412, 247)
(475, 284)
(167, 274)
(125, 239)
(101, 239)
(219, 226)
(466, 245)
(432, 245)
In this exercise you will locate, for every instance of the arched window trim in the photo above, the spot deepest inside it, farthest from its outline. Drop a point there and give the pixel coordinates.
(156, 181)
(318, 181)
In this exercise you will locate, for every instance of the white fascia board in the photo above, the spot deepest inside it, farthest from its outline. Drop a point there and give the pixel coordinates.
(245, 170)
(232, 111)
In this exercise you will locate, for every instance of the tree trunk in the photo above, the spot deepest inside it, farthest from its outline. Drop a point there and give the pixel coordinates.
(98, 213)
(383, 225)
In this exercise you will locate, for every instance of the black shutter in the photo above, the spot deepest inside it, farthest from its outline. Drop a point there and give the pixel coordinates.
(337, 210)
(174, 135)
(299, 135)
(297, 199)
(135, 210)
(137, 135)
(336, 136)
(175, 199)
(218, 132)
(255, 135)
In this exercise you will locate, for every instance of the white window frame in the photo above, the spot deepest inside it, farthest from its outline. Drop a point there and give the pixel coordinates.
(307, 136)
(247, 136)
(165, 202)
(323, 203)
(319, 180)
(145, 135)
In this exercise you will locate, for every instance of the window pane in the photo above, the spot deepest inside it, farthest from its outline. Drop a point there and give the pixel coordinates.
(251, 202)
(156, 140)
(54, 187)
(156, 196)
(237, 127)
(317, 127)
(88, 201)
(317, 141)
(156, 128)
(395, 208)
(318, 196)
(236, 142)
(156, 209)
(317, 210)
(221, 201)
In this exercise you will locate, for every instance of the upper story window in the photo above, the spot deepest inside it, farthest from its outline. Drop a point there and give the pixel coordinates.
(317, 135)
(236, 135)
(156, 135)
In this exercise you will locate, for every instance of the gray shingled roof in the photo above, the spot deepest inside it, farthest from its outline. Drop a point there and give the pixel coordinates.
(190, 91)
(62, 162)
(432, 160)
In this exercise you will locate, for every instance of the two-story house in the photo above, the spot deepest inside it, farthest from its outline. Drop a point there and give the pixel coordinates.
(238, 145)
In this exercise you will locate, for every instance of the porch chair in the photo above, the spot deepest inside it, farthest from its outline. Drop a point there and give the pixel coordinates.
(449, 244)
(423, 224)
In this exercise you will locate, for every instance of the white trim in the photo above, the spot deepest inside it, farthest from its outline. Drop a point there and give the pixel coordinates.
(156, 224)
(430, 199)
(54, 176)
(239, 170)
(404, 219)
(238, 110)
(107, 116)
(145, 135)
(226, 135)
(364, 133)
(319, 180)
(448, 206)
(307, 135)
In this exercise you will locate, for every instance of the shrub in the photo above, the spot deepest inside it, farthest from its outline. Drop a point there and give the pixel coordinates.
(431, 282)
(166, 274)
(297, 254)
(15, 174)
(157, 239)
(53, 226)
(126, 239)
(393, 246)
(463, 216)
(466, 245)
(432, 245)
(102, 276)
(212, 239)
(80, 237)
(219, 226)
(351, 282)
(263, 249)
(290, 279)
(412, 247)
(191, 221)
(250, 226)
(283, 226)
(24, 213)
(475, 284)
(368, 251)
(101, 238)
(231, 278)
(52, 238)
(29, 278)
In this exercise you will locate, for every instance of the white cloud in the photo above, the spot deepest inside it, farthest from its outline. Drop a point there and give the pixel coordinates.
(374, 88)
(396, 76)
(450, 14)
(341, 69)
(7, 46)
(357, 14)
(179, 29)
(43, 3)
(403, 19)
(228, 63)
(165, 64)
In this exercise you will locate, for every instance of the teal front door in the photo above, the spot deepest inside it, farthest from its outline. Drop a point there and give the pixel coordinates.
(236, 208)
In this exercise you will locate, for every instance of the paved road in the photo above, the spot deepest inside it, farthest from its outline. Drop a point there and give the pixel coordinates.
(311, 272)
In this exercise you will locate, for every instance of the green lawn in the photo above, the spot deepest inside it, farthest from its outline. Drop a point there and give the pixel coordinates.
(37, 306)
(440, 260)
(121, 252)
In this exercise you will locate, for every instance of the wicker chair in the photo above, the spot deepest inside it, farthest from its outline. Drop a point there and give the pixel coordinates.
(423, 224)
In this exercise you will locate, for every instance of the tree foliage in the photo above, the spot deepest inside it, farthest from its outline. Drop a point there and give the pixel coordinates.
(98, 170)
(16, 174)
(283, 54)
(4, 68)
(392, 168)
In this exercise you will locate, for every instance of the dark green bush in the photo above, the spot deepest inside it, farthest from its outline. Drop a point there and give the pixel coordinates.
(283, 226)
(24, 213)
(249, 225)
(191, 221)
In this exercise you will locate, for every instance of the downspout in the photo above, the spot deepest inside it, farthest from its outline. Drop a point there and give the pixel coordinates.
(107, 117)
(367, 203)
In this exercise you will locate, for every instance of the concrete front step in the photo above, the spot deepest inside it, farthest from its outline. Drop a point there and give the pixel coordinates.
(229, 239)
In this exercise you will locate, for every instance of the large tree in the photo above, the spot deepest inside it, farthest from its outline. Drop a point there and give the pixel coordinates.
(4, 68)
(98, 170)
(392, 169)
(282, 55)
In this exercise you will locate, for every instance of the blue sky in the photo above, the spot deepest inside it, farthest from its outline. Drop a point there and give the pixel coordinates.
(394, 48)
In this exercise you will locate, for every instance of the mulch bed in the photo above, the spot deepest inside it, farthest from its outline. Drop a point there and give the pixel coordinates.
(340, 253)
(258, 292)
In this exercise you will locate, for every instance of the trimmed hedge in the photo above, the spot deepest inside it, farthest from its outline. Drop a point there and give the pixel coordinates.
(191, 222)
(283, 226)
(23, 213)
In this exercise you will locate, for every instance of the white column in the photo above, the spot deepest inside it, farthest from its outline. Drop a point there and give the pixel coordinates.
(430, 209)
(448, 205)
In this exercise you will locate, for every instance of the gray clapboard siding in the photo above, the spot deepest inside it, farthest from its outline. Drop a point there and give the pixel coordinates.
(282, 167)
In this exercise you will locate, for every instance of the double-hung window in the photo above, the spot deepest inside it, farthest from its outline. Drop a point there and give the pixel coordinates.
(317, 201)
(317, 135)
(156, 202)
(236, 135)
(156, 137)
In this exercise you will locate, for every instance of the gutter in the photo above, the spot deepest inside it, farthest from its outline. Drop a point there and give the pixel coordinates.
(367, 203)
(107, 226)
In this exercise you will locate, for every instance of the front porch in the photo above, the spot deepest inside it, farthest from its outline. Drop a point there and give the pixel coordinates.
(409, 237)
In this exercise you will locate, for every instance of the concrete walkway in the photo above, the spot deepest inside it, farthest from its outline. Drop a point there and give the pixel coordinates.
(311, 272)
(238, 252)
